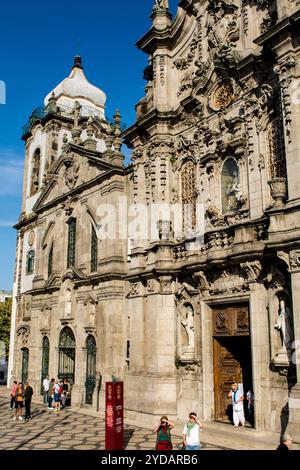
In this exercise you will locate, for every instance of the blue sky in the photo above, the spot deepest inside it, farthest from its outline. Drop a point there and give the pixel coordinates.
(38, 42)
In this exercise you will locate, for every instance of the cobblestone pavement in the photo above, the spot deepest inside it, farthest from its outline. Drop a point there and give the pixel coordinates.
(67, 430)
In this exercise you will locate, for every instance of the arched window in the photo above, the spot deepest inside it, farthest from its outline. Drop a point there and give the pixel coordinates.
(30, 262)
(230, 180)
(35, 173)
(189, 197)
(50, 261)
(66, 361)
(90, 380)
(45, 360)
(25, 361)
(94, 250)
(71, 243)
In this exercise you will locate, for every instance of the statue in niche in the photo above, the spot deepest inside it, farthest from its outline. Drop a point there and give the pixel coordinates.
(231, 189)
(91, 313)
(188, 324)
(68, 303)
(284, 325)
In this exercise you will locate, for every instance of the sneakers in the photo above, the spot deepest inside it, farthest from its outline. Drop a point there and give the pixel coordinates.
(14, 418)
(20, 418)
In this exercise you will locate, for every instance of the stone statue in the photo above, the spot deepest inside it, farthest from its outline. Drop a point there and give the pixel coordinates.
(188, 324)
(161, 5)
(68, 303)
(284, 324)
(233, 192)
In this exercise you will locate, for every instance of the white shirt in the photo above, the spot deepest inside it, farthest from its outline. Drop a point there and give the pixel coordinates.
(237, 395)
(194, 438)
(56, 388)
(46, 383)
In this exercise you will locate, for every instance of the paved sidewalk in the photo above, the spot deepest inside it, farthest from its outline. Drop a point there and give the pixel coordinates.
(67, 430)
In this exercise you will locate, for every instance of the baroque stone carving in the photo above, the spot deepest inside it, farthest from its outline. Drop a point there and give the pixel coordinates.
(278, 190)
(71, 171)
(284, 71)
(252, 269)
(134, 289)
(46, 318)
(295, 259)
(23, 334)
(165, 284)
(215, 217)
(223, 96)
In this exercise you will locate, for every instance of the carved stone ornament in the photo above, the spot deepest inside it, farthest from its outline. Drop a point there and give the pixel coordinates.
(31, 238)
(45, 318)
(222, 97)
(23, 334)
(165, 284)
(295, 259)
(278, 190)
(71, 171)
(252, 269)
(134, 289)
(151, 286)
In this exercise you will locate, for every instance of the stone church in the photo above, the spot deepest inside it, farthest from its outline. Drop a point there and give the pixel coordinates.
(180, 272)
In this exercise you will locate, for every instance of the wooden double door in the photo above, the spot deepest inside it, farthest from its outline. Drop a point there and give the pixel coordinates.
(232, 356)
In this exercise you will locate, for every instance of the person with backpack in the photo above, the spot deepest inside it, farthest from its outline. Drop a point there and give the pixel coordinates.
(28, 392)
(163, 439)
(51, 394)
(191, 433)
(13, 395)
(56, 390)
(19, 402)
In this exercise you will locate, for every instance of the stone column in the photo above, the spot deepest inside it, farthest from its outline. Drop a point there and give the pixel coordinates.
(294, 398)
(288, 73)
(260, 350)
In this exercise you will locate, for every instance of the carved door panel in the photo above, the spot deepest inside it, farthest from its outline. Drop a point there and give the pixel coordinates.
(227, 370)
(231, 320)
(232, 353)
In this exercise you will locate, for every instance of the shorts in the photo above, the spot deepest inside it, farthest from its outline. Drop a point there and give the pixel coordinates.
(56, 397)
(18, 404)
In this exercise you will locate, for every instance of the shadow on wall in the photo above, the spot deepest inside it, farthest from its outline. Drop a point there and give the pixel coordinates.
(284, 420)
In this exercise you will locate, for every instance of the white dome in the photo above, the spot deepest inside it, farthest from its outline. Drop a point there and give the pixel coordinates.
(77, 88)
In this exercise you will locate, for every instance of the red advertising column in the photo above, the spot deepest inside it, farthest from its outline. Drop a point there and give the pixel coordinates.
(114, 416)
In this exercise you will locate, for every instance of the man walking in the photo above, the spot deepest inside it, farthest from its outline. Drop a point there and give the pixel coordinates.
(46, 385)
(28, 396)
(237, 398)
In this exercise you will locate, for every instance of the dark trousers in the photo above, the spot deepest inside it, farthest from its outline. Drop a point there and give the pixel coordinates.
(12, 402)
(27, 408)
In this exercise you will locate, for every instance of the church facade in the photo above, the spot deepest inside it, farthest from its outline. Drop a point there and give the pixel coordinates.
(179, 273)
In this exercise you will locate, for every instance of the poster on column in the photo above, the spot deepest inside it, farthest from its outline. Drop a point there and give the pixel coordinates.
(114, 416)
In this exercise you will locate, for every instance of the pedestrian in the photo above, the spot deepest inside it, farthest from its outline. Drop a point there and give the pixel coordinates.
(46, 385)
(28, 392)
(56, 390)
(250, 400)
(65, 390)
(51, 394)
(19, 402)
(191, 433)
(285, 444)
(163, 434)
(237, 398)
(13, 395)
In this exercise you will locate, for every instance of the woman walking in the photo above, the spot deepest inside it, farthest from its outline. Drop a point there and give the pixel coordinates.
(163, 439)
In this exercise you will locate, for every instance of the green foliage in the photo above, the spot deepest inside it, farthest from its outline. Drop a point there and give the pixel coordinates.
(5, 316)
